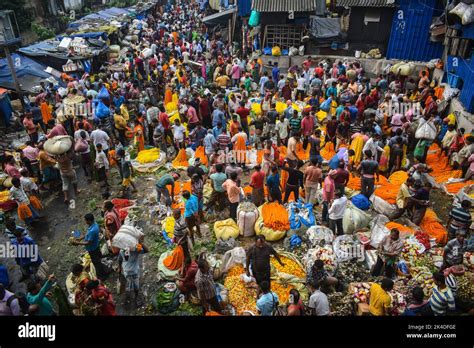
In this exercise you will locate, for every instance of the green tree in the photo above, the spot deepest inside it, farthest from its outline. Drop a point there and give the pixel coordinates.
(23, 16)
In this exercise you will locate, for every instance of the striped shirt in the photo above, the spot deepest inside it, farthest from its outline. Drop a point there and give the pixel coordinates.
(205, 285)
(452, 284)
(224, 140)
(295, 124)
(461, 218)
(442, 300)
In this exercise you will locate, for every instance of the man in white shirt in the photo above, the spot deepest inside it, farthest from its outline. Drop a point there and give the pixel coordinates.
(301, 87)
(372, 145)
(281, 83)
(336, 213)
(282, 129)
(178, 132)
(318, 301)
(98, 136)
(102, 166)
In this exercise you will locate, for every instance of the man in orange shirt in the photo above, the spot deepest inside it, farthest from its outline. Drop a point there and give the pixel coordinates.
(233, 194)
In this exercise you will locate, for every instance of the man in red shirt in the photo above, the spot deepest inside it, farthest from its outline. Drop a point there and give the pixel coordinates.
(341, 178)
(193, 118)
(307, 125)
(243, 112)
(165, 122)
(256, 183)
(319, 70)
(307, 63)
(205, 112)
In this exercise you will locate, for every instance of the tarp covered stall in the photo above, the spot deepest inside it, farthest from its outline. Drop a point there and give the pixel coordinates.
(324, 28)
(29, 73)
(326, 31)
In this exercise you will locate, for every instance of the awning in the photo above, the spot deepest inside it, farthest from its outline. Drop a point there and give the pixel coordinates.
(284, 5)
(366, 3)
(29, 73)
(220, 17)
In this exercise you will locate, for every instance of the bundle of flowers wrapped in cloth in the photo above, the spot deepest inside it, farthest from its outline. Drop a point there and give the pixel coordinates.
(456, 186)
(148, 156)
(275, 216)
(181, 160)
(122, 205)
(431, 226)
(148, 161)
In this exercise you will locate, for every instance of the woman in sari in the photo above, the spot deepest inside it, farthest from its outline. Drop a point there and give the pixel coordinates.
(240, 148)
(138, 135)
(357, 144)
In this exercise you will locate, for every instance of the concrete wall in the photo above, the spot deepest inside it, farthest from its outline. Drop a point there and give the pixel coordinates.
(372, 67)
(464, 118)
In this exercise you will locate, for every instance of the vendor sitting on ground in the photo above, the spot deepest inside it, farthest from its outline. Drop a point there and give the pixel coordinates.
(318, 273)
(454, 250)
(419, 305)
(186, 278)
(380, 300)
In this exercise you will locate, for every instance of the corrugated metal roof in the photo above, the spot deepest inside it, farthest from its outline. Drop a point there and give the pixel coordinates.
(410, 35)
(366, 3)
(284, 5)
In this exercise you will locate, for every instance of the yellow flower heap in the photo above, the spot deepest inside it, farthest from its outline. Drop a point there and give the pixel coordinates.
(148, 156)
(243, 297)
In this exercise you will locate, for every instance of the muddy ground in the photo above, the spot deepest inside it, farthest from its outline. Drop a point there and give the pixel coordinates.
(54, 232)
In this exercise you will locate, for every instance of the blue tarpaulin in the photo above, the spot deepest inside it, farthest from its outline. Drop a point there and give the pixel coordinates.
(108, 14)
(27, 70)
(93, 35)
(5, 108)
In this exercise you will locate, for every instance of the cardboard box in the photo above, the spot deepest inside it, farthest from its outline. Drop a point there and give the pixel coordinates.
(362, 309)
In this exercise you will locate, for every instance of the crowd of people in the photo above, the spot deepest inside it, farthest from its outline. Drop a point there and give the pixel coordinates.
(227, 103)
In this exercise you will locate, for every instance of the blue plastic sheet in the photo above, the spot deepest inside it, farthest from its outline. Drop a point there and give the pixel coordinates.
(102, 111)
(361, 201)
(296, 220)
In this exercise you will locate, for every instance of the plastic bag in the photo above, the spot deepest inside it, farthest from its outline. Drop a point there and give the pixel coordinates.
(316, 234)
(426, 130)
(361, 201)
(276, 51)
(233, 257)
(378, 230)
(103, 94)
(254, 19)
(354, 219)
(300, 214)
(326, 105)
(267, 51)
(383, 207)
(102, 111)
